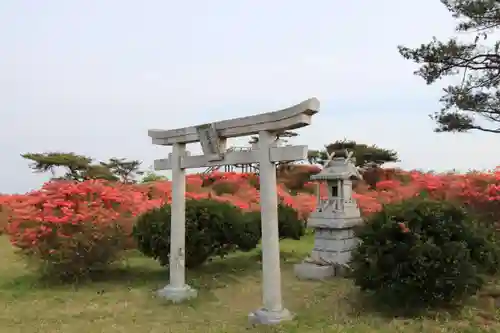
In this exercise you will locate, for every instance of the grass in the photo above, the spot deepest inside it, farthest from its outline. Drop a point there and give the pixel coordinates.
(229, 289)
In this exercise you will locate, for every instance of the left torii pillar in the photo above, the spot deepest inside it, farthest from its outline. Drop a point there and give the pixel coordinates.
(177, 290)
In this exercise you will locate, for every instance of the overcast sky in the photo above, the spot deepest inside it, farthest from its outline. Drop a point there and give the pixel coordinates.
(92, 76)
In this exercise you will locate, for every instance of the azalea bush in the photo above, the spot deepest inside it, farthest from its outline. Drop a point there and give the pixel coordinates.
(422, 253)
(73, 229)
(69, 210)
(239, 189)
(213, 228)
(4, 215)
(477, 192)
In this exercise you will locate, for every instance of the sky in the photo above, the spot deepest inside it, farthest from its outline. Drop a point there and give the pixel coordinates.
(91, 77)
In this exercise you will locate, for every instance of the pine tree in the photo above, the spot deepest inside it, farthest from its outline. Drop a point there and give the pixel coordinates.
(474, 102)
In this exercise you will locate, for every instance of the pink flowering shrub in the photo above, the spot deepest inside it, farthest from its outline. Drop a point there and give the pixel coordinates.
(67, 223)
(73, 229)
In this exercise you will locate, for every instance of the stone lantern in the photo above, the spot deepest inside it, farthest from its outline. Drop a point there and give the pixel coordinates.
(334, 220)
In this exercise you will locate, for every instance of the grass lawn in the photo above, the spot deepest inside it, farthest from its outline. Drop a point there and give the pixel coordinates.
(229, 290)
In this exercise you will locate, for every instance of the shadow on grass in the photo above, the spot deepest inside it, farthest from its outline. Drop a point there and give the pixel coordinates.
(139, 272)
(362, 303)
(142, 272)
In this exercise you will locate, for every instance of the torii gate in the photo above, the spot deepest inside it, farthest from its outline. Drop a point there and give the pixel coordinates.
(213, 141)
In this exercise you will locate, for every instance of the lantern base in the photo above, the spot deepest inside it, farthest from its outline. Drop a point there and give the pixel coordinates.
(311, 271)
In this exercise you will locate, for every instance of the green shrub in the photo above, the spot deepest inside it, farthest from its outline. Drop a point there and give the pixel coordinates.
(289, 224)
(213, 228)
(421, 253)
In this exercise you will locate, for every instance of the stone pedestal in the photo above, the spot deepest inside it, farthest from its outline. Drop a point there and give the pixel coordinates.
(177, 294)
(266, 317)
(331, 253)
(334, 220)
(312, 271)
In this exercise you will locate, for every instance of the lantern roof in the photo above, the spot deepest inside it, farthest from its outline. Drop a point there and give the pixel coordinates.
(338, 168)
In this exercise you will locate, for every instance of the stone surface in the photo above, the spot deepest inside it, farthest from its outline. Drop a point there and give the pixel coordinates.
(334, 244)
(271, 273)
(334, 221)
(310, 271)
(177, 294)
(346, 219)
(277, 121)
(342, 270)
(277, 154)
(265, 317)
(178, 230)
(339, 168)
(210, 142)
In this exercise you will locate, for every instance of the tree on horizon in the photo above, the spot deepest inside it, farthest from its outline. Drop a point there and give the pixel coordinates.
(79, 167)
(474, 102)
(365, 155)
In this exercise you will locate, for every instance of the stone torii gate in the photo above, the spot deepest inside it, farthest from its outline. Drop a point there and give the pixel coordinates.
(213, 141)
